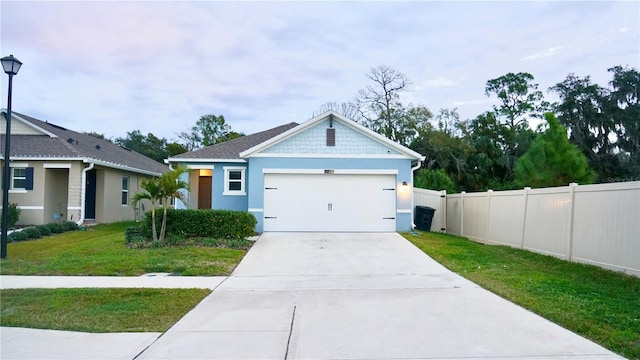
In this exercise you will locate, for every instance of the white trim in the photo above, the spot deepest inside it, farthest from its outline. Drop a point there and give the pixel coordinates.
(88, 160)
(404, 211)
(234, 193)
(28, 207)
(18, 165)
(120, 167)
(331, 156)
(292, 171)
(257, 210)
(243, 181)
(200, 167)
(335, 171)
(56, 166)
(74, 207)
(17, 191)
(205, 160)
(408, 153)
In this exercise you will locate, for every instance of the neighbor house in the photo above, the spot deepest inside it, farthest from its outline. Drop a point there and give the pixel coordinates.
(61, 175)
(327, 174)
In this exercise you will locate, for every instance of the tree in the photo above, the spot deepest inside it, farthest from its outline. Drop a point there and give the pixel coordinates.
(152, 192)
(444, 146)
(208, 130)
(346, 109)
(552, 160)
(625, 95)
(434, 180)
(174, 148)
(149, 145)
(171, 186)
(98, 135)
(501, 136)
(380, 109)
(587, 111)
(519, 97)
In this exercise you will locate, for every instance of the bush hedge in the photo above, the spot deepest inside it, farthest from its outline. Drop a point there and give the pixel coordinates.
(203, 223)
(38, 231)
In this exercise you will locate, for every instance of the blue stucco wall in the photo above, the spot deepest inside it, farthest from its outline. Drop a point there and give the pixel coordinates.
(256, 180)
(227, 202)
(218, 199)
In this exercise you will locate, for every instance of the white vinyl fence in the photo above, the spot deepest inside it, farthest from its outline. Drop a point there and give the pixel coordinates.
(594, 224)
(436, 200)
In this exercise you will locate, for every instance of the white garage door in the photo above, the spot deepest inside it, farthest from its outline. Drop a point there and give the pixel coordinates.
(305, 202)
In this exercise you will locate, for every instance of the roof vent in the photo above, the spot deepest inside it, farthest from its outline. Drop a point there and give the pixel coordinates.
(331, 137)
(97, 147)
(70, 140)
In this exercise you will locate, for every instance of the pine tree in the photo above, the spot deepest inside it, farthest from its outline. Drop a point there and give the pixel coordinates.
(552, 160)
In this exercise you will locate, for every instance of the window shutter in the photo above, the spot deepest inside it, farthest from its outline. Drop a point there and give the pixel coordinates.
(29, 183)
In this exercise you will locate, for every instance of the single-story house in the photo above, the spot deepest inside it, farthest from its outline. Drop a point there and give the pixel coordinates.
(326, 174)
(61, 175)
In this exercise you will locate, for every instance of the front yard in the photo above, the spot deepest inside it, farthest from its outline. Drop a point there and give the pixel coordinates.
(100, 251)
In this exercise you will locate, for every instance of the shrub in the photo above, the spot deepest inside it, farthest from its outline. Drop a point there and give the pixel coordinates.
(69, 226)
(134, 237)
(17, 236)
(55, 228)
(13, 215)
(222, 224)
(44, 230)
(32, 233)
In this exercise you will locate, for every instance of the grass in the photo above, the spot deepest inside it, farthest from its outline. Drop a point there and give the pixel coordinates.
(601, 305)
(98, 310)
(101, 250)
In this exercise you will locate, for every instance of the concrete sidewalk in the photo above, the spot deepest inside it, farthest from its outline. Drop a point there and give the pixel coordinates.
(319, 296)
(36, 344)
(156, 280)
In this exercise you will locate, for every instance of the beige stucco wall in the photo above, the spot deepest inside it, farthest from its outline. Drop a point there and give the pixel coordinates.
(50, 188)
(57, 189)
(109, 207)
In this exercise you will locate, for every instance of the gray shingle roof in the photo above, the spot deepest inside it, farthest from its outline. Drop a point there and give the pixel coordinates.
(231, 149)
(70, 144)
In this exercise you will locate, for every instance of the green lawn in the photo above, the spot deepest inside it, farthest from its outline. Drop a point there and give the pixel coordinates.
(100, 250)
(601, 305)
(98, 310)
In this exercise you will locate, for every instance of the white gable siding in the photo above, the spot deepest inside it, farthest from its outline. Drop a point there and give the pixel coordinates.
(18, 127)
(314, 141)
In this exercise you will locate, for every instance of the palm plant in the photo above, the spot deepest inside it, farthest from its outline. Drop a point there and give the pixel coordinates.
(152, 191)
(171, 187)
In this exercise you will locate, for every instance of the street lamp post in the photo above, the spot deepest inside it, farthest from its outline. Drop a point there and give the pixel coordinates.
(11, 66)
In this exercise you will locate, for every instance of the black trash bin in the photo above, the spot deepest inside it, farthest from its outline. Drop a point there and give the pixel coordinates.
(423, 217)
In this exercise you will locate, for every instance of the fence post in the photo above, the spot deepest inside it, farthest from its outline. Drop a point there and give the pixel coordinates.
(462, 213)
(486, 227)
(443, 211)
(524, 220)
(572, 197)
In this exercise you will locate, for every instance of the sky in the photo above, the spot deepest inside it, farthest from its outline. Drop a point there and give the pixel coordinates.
(114, 67)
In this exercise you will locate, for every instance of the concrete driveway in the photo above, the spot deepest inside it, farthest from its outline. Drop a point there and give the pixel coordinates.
(358, 296)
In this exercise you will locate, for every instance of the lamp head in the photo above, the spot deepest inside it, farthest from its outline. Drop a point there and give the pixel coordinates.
(11, 65)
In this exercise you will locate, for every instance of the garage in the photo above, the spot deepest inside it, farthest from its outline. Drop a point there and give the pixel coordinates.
(330, 202)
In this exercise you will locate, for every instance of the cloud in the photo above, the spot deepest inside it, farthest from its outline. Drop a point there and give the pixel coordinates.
(546, 53)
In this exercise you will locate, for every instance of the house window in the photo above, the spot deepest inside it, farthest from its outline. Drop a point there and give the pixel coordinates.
(125, 190)
(21, 178)
(234, 181)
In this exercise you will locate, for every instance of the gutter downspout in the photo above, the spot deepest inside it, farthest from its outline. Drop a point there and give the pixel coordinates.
(83, 194)
(413, 170)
